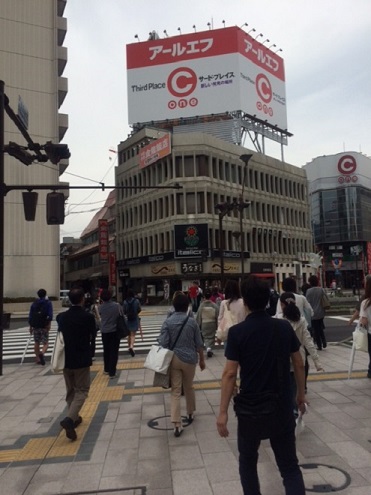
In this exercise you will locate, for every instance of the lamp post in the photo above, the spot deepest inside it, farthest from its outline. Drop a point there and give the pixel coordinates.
(223, 209)
(241, 206)
(356, 250)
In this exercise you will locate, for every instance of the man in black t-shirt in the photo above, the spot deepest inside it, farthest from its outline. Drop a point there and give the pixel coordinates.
(264, 360)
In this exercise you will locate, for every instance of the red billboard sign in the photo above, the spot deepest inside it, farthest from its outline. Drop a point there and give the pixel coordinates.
(205, 73)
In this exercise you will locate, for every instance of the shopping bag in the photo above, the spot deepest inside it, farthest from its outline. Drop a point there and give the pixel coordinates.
(360, 340)
(158, 359)
(58, 356)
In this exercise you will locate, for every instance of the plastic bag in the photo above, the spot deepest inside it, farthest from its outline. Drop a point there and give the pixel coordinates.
(300, 425)
(360, 340)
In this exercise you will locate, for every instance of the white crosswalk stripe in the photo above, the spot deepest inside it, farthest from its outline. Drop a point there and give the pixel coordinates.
(15, 341)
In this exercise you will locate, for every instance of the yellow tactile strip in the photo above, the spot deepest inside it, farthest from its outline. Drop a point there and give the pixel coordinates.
(60, 446)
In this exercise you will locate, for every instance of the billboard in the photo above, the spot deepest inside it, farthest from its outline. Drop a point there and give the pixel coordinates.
(205, 73)
(191, 240)
(155, 151)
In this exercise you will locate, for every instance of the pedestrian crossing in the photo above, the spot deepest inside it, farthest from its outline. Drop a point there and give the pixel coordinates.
(18, 344)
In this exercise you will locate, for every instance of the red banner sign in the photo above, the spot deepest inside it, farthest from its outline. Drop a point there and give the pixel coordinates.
(112, 269)
(103, 240)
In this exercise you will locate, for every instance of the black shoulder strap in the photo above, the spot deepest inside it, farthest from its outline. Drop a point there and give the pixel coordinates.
(180, 331)
(276, 342)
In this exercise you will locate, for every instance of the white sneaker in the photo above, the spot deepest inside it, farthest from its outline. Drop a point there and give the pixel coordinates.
(178, 430)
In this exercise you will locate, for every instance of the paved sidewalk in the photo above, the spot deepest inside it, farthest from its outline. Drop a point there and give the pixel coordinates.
(126, 445)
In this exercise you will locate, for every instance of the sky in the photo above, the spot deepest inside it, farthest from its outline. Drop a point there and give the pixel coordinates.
(325, 46)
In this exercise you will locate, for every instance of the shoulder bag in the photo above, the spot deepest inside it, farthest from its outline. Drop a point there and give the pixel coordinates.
(158, 359)
(122, 329)
(58, 356)
(325, 303)
(226, 322)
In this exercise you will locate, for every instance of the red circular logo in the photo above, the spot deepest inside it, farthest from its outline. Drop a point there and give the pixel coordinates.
(182, 82)
(347, 165)
(263, 88)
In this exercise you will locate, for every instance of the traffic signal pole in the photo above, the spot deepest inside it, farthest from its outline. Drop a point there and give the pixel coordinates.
(2, 200)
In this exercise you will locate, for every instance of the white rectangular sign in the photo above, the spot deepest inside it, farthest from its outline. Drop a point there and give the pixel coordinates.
(205, 73)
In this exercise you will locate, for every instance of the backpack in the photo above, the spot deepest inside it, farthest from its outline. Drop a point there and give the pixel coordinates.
(272, 304)
(39, 315)
(131, 312)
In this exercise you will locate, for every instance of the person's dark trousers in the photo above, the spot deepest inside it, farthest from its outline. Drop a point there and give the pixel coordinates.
(318, 333)
(369, 354)
(92, 344)
(111, 344)
(283, 445)
(294, 390)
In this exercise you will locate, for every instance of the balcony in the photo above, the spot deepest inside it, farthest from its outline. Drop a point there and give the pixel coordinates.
(62, 90)
(62, 59)
(62, 125)
(61, 30)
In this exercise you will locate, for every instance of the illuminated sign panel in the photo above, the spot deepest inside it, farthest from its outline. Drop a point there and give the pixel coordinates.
(205, 73)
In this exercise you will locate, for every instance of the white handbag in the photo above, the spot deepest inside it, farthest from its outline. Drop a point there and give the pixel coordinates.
(226, 322)
(360, 340)
(158, 359)
(58, 356)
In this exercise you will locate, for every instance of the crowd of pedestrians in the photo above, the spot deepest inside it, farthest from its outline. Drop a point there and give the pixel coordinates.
(266, 343)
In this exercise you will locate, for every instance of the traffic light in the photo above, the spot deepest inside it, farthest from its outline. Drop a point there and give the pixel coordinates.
(56, 152)
(29, 205)
(55, 208)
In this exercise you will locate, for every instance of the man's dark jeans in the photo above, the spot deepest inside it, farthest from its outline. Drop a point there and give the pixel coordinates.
(111, 345)
(283, 445)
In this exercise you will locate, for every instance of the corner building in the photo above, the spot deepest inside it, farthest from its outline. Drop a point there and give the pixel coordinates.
(340, 201)
(275, 227)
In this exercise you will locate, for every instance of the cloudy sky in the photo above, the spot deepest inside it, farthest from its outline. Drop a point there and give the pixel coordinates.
(325, 46)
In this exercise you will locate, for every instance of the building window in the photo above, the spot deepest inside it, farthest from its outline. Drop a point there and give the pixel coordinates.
(202, 166)
(179, 204)
(191, 204)
(189, 166)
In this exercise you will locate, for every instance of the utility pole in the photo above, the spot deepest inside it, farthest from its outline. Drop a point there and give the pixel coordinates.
(241, 206)
(2, 200)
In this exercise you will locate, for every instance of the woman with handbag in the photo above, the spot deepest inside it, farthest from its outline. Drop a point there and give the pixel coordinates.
(182, 330)
(232, 310)
(365, 317)
(291, 313)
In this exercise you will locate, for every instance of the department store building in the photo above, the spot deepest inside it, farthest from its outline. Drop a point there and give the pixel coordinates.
(340, 199)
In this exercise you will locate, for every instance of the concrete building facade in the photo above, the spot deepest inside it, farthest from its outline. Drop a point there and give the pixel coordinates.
(32, 62)
(276, 226)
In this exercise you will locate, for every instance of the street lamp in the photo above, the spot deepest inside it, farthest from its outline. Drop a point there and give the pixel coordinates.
(356, 250)
(223, 209)
(241, 206)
